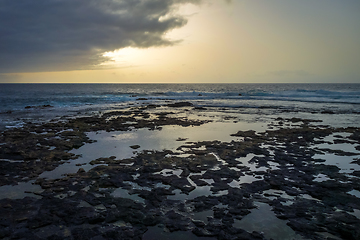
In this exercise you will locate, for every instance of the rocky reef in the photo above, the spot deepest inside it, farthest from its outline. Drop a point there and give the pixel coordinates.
(201, 190)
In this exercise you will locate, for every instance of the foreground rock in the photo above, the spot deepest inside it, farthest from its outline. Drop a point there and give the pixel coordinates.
(124, 198)
(38, 148)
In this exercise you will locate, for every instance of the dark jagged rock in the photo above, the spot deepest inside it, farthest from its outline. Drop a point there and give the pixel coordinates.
(83, 205)
(180, 104)
(41, 106)
(135, 146)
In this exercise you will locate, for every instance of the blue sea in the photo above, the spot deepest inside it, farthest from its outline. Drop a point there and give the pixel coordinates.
(20, 103)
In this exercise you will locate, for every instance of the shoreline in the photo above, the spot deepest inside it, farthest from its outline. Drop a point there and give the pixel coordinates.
(23, 103)
(225, 181)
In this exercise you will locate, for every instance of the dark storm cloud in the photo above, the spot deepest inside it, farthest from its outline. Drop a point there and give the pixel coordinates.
(51, 35)
(13, 78)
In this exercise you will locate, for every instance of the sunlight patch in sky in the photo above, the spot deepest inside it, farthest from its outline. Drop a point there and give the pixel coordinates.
(124, 57)
(133, 57)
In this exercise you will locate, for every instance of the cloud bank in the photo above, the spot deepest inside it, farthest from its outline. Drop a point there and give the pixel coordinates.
(57, 35)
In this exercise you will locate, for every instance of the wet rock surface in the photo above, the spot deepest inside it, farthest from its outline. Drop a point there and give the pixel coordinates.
(123, 198)
(36, 148)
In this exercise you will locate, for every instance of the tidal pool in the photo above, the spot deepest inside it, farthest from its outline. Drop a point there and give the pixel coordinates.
(23, 189)
(263, 220)
(123, 193)
(158, 233)
(118, 143)
(343, 162)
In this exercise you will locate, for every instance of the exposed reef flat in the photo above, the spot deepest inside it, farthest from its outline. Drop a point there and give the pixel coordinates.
(297, 174)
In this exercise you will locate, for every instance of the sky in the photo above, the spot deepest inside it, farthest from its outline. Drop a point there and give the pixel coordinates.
(179, 41)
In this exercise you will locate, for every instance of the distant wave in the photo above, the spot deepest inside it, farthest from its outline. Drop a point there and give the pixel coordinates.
(293, 95)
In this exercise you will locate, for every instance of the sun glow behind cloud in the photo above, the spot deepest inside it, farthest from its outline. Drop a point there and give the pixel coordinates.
(125, 57)
(134, 57)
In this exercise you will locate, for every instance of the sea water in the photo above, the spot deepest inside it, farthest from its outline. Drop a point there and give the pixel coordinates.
(21, 103)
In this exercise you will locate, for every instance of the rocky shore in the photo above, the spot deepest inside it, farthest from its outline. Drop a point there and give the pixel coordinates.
(203, 190)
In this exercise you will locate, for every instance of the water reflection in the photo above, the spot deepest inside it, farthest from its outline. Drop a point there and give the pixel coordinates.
(158, 233)
(23, 189)
(264, 220)
(203, 216)
(123, 193)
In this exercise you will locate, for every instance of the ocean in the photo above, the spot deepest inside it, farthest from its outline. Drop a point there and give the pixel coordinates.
(20, 103)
